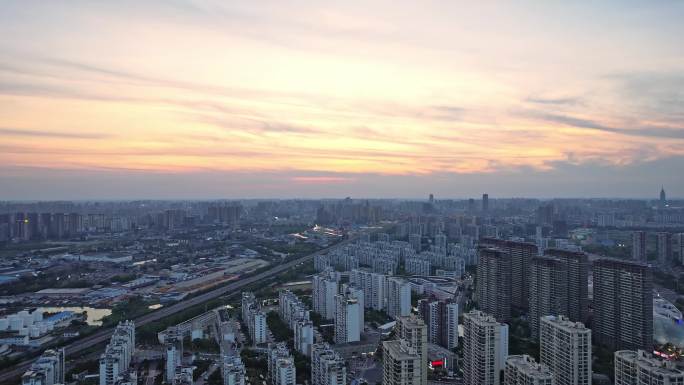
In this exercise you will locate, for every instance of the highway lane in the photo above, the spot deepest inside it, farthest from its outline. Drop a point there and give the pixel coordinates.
(103, 335)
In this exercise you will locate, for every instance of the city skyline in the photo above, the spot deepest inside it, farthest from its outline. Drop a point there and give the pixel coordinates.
(206, 100)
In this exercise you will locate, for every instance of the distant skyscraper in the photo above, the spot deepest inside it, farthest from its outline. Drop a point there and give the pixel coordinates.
(663, 199)
(639, 246)
(623, 305)
(523, 370)
(565, 347)
(485, 348)
(664, 248)
(432, 199)
(485, 202)
(641, 368)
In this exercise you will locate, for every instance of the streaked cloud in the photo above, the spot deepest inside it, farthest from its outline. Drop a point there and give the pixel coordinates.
(334, 92)
(4, 131)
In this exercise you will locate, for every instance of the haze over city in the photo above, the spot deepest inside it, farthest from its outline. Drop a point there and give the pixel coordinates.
(214, 99)
(212, 192)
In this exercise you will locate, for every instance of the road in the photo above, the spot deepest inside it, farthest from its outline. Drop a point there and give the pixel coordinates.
(10, 374)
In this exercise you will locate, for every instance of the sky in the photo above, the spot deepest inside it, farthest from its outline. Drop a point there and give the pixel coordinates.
(280, 99)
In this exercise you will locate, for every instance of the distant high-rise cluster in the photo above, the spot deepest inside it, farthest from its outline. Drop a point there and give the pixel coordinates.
(224, 213)
(349, 211)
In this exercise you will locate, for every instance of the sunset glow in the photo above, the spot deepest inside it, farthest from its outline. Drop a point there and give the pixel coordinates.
(326, 93)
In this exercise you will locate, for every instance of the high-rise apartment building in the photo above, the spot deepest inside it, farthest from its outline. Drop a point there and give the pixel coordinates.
(355, 292)
(255, 318)
(494, 283)
(324, 290)
(48, 369)
(115, 360)
(623, 305)
(485, 202)
(233, 370)
(413, 331)
(401, 363)
(577, 264)
(641, 368)
(441, 318)
(678, 247)
(398, 297)
(281, 367)
(558, 286)
(174, 355)
(405, 358)
(373, 286)
(664, 248)
(327, 366)
(296, 314)
(639, 246)
(347, 327)
(565, 347)
(524, 370)
(548, 290)
(485, 348)
(519, 255)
